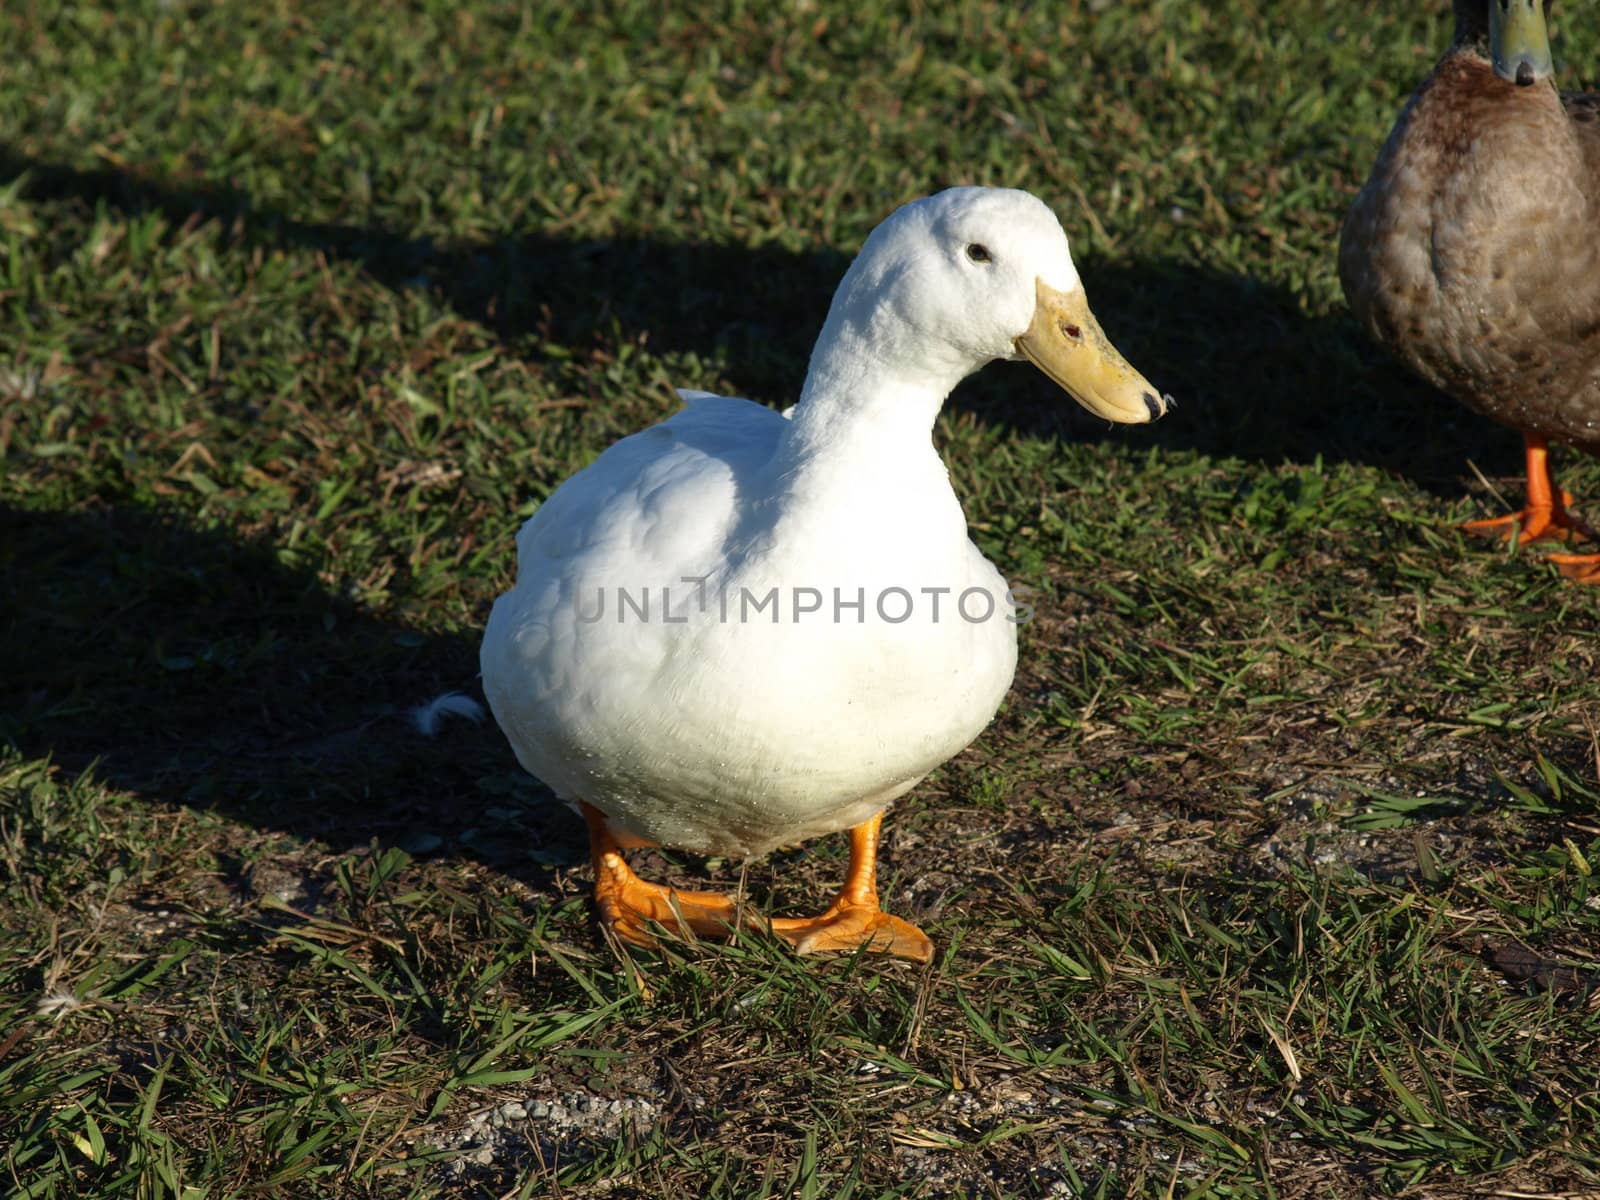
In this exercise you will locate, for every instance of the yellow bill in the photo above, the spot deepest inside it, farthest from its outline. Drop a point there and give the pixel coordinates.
(1067, 344)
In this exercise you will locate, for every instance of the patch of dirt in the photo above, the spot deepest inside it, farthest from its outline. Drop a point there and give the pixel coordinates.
(543, 1129)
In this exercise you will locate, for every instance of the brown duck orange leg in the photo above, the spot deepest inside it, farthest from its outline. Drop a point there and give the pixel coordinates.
(629, 906)
(854, 920)
(1544, 517)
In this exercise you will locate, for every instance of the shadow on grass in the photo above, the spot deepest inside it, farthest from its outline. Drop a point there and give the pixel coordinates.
(187, 665)
(205, 670)
(1255, 378)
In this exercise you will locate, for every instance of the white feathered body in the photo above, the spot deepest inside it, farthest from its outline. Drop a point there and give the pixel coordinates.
(684, 648)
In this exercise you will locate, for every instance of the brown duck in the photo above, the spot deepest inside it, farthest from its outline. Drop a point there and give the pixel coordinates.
(1473, 252)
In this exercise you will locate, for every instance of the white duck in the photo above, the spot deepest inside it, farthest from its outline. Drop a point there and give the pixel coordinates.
(739, 629)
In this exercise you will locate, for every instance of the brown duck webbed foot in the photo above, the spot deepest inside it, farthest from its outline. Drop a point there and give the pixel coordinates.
(1580, 568)
(1546, 516)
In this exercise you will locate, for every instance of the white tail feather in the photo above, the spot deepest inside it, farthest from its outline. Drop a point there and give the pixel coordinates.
(428, 717)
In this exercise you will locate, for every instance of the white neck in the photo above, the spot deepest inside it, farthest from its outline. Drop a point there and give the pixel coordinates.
(873, 390)
(858, 454)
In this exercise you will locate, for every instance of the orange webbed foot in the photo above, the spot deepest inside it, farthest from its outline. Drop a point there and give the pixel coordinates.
(855, 921)
(632, 909)
(846, 928)
(1580, 568)
(1546, 517)
(1535, 523)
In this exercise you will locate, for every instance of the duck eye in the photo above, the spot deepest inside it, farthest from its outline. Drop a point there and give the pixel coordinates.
(979, 253)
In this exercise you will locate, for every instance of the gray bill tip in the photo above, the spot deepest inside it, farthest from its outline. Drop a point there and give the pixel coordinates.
(1153, 404)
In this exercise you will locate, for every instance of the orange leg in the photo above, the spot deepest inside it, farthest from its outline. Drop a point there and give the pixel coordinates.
(629, 906)
(1545, 516)
(854, 921)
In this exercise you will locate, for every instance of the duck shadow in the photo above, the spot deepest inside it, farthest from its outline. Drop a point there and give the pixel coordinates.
(1258, 380)
(1255, 377)
(193, 668)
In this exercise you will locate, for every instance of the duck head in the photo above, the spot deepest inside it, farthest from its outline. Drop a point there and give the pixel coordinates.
(974, 274)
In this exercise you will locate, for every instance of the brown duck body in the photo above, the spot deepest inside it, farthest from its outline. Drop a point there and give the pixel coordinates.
(1473, 251)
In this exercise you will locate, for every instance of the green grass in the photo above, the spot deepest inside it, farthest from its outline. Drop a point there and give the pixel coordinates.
(303, 314)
